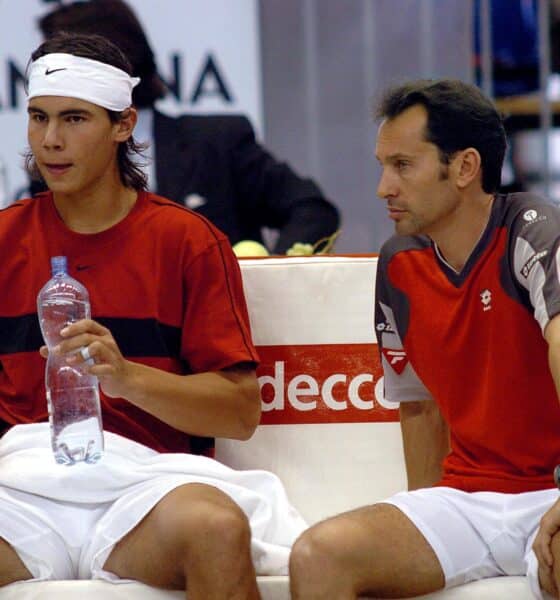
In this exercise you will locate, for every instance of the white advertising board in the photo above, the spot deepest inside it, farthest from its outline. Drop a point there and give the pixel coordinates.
(326, 429)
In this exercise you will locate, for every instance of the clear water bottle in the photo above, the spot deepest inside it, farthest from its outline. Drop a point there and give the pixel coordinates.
(72, 393)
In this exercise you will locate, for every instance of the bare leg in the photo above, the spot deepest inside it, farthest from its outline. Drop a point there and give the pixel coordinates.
(196, 537)
(11, 567)
(373, 550)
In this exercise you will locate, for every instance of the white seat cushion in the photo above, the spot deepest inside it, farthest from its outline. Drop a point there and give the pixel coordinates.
(272, 588)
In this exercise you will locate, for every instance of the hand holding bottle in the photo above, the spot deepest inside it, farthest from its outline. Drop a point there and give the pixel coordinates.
(91, 346)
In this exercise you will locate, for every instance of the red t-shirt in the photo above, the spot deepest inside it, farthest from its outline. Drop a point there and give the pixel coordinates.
(473, 342)
(164, 281)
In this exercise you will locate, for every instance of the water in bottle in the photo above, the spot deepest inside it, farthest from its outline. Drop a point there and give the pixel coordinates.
(72, 393)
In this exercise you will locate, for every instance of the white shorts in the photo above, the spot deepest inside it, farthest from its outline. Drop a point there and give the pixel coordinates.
(61, 540)
(481, 534)
(63, 521)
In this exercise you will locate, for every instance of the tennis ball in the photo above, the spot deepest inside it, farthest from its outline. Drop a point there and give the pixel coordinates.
(249, 248)
(299, 249)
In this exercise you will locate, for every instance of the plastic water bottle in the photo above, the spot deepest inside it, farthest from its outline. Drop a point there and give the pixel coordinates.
(72, 393)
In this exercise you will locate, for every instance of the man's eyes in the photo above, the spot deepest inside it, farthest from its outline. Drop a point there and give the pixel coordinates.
(39, 118)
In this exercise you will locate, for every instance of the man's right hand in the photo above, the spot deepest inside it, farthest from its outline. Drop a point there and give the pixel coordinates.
(542, 546)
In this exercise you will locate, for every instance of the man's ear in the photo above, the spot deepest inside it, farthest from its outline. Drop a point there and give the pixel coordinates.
(125, 125)
(467, 166)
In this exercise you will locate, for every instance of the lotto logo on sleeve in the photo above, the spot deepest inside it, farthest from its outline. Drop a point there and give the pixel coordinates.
(323, 383)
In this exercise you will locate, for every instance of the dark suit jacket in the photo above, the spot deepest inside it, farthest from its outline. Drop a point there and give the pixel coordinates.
(242, 186)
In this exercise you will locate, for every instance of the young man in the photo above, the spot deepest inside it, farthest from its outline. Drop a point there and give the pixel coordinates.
(210, 163)
(468, 293)
(171, 346)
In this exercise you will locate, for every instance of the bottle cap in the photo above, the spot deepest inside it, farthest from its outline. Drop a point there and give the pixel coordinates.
(58, 264)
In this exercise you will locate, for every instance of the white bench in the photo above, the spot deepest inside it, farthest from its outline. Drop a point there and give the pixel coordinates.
(324, 431)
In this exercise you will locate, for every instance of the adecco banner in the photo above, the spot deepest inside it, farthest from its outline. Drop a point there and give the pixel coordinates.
(312, 323)
(326, 429)
(207, 52)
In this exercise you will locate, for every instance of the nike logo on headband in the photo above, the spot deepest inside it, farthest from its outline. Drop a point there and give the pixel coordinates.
(49, 71)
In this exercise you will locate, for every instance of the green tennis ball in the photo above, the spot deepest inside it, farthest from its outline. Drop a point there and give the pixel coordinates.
(249, 248)
(299, 249)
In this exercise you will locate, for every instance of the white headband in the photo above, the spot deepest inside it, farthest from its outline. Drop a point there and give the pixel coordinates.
(72, 76)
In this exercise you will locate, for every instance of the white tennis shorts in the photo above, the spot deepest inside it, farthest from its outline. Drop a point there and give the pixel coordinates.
(481, 534)
(64, 521)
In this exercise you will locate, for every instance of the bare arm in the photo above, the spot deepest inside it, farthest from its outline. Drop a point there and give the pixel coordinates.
(216, 404)
(425, 442)
(550, 523)
(222, 403)
(552, 336)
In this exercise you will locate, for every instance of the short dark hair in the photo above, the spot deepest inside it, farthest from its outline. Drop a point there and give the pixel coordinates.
(97, 48)
(459, 116)
(116, 21)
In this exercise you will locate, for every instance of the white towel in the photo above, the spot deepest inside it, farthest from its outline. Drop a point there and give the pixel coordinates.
(27, 464)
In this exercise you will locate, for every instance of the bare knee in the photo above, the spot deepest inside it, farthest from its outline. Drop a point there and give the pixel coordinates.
(205, 522)
(196, 534)
(361, 551)
(332, 543)
(11, 566)
(318, 552)
(225, 525)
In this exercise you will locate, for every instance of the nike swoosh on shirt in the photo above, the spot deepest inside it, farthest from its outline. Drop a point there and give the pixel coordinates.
(50, 71)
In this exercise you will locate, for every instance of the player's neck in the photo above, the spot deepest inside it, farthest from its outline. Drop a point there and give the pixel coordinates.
(98, 207)
(457, 239)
